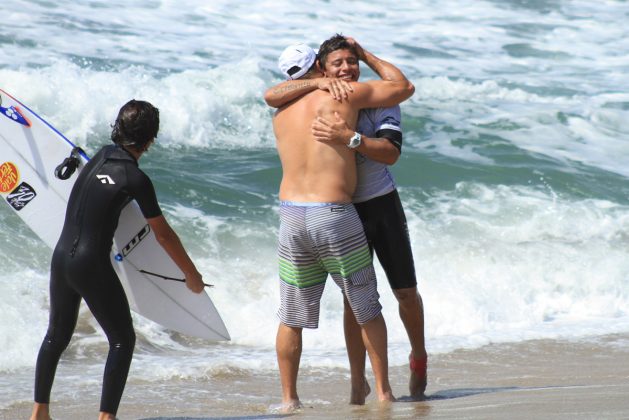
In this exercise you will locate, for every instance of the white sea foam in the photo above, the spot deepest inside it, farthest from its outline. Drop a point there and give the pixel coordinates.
(508, 262)
(500, 264)
(209, 108)
(494, 264)
(23, 317)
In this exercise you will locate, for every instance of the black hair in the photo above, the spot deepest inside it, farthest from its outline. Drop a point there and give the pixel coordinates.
(136, 125)
(337, 42)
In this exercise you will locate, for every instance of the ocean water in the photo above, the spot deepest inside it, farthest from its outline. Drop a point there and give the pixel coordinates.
(514, 173)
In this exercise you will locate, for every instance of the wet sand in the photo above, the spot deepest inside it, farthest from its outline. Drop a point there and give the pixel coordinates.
(585, 379)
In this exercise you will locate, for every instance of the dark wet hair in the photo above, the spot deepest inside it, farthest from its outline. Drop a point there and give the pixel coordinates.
(136, 125)
(337, 42)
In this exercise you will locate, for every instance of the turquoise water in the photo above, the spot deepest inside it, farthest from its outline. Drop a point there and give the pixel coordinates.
(514, 173)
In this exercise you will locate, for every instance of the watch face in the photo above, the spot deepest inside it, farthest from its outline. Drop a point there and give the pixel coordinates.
(354, 141)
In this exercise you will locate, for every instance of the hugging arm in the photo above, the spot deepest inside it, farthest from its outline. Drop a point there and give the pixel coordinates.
(289, 90)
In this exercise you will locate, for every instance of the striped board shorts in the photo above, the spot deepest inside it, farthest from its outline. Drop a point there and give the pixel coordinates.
(317, 239)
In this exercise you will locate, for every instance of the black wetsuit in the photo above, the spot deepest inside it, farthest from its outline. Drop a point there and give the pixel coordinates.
(387, 233)
(81, 268)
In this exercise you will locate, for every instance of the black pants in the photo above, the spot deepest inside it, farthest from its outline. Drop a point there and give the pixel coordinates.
(92, 278)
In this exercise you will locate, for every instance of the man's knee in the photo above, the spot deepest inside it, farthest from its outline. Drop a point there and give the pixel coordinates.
(123, 343)
(55, 342)
(407, 297)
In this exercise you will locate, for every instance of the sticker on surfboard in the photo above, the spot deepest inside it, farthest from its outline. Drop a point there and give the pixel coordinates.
(133, 243)
(21, 196)
(9, 177)
(13, 113)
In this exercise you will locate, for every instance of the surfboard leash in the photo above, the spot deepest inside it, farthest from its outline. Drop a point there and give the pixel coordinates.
(69, 164)
(170, 278)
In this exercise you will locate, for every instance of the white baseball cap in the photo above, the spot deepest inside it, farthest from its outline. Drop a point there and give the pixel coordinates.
(296, 60)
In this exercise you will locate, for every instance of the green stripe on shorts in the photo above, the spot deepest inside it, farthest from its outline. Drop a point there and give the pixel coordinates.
(303, 275)
(348, 263)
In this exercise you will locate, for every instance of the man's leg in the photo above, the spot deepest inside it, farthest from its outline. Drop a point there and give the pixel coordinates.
(386, 228)
(349, 262)
(64, 312)
(288, 348)
(356, 354)
(412, 315)
(107, 301)
(374, 335)
(40, 411)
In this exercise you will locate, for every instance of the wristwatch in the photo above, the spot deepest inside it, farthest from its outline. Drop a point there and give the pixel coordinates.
(355, 141)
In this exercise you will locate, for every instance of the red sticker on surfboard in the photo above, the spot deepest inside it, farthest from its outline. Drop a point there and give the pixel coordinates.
(9, 177)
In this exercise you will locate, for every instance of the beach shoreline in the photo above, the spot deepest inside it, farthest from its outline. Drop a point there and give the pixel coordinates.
(558, 379)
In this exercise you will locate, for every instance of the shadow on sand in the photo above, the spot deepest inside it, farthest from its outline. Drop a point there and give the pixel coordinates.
(448, 394)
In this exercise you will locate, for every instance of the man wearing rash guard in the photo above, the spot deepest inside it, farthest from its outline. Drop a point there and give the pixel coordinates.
(81, 267)
(378, 143)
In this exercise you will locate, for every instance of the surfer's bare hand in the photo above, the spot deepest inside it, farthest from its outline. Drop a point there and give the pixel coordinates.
(194, 282)
(327, 131)
(338, 88)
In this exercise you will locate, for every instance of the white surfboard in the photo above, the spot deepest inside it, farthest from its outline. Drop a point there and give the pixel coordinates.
(30, 150)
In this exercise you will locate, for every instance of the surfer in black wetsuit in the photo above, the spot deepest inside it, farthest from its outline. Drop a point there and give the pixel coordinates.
(81, 267)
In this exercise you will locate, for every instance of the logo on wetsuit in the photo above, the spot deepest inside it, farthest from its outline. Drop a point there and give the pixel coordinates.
(105, 179)
(21, 196)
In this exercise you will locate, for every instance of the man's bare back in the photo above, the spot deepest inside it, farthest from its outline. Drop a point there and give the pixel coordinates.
(313, 171)
(324, 173)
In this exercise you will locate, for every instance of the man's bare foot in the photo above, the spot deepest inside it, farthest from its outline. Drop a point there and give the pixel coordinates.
(40, 412)
(417, 386)
(386, 397)
(290, 406)
(419, 377)
(359, 395)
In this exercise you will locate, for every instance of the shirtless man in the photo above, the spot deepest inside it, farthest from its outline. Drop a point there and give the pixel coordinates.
(376, 200)
(320, 231)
